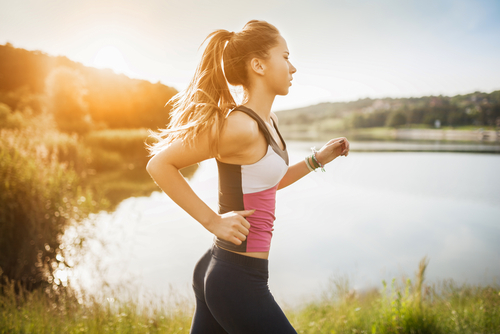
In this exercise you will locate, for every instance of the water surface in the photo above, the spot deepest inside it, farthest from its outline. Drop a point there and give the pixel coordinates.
(371, 216)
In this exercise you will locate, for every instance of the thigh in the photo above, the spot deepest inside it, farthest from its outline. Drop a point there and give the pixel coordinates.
(241, 302)
(203, 320)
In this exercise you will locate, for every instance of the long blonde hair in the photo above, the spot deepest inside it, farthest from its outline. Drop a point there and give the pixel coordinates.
(207, 100)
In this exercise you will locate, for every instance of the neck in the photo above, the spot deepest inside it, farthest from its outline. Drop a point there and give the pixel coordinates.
(260, 101)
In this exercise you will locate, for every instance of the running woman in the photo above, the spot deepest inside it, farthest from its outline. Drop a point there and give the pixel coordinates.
(230, 280)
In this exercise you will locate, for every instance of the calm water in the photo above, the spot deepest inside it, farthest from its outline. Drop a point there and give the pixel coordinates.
(371, 216)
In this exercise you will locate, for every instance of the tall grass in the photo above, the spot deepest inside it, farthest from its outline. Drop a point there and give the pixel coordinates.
(64, 311)
(403, 307)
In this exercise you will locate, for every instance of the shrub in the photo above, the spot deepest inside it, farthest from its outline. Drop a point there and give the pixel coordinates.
(66, 89)
(127, 144)
(39, 196)
(9, 119)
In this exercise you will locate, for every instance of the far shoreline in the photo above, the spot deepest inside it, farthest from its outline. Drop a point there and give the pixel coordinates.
(405, 146)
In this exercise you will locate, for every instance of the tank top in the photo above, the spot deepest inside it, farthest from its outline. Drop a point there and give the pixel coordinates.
(247, 187)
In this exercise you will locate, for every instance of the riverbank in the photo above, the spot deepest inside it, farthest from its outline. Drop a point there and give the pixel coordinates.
(469, 135)
(408, 146)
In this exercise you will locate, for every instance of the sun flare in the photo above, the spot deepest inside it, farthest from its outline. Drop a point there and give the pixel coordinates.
(111, 57)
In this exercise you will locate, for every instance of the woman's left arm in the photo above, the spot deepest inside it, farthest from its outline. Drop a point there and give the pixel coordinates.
(334, 148)
(331, 150)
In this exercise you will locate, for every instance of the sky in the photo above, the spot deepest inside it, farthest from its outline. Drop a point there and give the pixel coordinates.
(343, 50)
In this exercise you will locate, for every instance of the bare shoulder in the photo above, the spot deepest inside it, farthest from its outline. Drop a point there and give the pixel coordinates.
(239, 127)
(238, 132)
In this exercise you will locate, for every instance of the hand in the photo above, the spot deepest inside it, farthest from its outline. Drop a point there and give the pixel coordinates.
(332, 149)
(232, 226)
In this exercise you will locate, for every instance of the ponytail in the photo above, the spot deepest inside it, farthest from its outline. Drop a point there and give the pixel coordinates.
(207, 100)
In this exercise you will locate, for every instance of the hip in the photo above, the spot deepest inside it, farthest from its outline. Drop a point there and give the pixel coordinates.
(219, 266)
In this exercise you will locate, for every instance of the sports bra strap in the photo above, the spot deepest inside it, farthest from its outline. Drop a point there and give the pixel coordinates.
(260, 122)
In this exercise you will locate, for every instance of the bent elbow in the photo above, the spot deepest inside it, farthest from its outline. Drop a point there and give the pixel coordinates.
(157, 167)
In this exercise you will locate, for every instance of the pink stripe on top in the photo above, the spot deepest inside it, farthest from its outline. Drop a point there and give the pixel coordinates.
(261, 221)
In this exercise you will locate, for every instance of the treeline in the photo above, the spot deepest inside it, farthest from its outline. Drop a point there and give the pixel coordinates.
(479, 109)
(82, 98)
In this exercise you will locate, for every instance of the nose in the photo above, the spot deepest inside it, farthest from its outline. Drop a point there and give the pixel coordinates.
(292, 69)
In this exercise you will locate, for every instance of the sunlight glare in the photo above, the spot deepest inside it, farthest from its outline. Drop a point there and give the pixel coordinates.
(110, 57)
(61, 276)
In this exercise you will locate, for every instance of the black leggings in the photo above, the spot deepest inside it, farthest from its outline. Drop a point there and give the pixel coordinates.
(232, 296)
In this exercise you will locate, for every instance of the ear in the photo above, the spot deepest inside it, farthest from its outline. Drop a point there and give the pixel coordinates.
(257, 66)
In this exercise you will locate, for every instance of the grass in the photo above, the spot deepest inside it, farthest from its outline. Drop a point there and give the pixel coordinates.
(402, 307)
(63, 311)
(410, 307)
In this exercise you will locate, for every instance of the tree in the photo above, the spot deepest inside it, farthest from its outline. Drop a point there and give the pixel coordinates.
(396, 118)
(66, 89)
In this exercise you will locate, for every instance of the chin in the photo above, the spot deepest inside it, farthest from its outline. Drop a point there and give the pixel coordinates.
(284, 92)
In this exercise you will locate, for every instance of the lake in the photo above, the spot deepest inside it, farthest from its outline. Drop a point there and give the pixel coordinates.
(371, 216)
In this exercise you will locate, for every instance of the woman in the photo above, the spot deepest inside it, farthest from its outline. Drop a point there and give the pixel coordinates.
(230, 280)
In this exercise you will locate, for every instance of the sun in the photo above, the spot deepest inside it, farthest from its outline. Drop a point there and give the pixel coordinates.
(111, 57)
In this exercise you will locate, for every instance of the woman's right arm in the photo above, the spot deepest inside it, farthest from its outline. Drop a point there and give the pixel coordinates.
(164, 169)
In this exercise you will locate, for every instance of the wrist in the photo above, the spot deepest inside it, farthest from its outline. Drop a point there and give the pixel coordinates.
(315, 157)
(319, 158)
(314, 163)
(212, 221)
(309, 164)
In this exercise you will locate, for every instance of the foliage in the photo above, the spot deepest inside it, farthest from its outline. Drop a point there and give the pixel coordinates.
(52, 179)
(66, 89)
(23, 100)
(77, 92)
(119, 158)
(375, 119)
(8, 119)
(40, 195)
(396, 118)
(121, 146)
(54, 159)
(479, 109)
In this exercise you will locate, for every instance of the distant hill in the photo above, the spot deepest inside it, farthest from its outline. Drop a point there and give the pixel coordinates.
(112, 100)
(471, 109)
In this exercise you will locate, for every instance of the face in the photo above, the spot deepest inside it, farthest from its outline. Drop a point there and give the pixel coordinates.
(277, 68)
